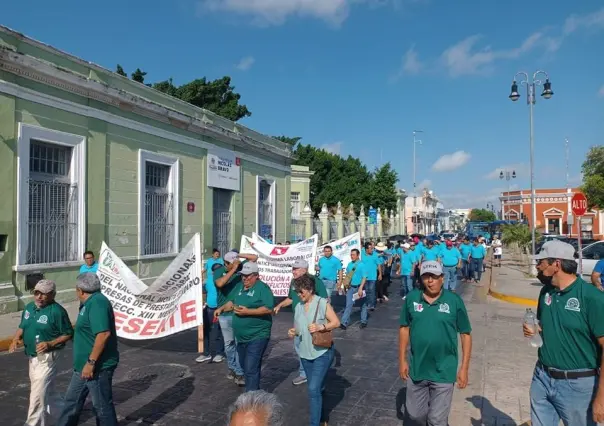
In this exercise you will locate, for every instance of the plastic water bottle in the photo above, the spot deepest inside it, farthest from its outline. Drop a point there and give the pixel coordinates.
(40, 355)
(530, 319)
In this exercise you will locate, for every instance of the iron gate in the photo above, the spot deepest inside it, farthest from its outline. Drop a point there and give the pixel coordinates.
(222, 220)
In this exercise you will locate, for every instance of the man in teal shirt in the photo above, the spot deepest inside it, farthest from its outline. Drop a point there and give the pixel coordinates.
(330, 270)
(406, 270)
(477, 255)
(451, 260)
(465, 249)
(358, 271)
(372, 268)
(431, 252)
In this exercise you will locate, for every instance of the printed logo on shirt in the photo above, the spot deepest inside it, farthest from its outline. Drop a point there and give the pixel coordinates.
(249, 293)
(572, 304)
(548, 299)
(418, 307)
(43, 319)
(26, 316)
(444, 307)
(82, 310)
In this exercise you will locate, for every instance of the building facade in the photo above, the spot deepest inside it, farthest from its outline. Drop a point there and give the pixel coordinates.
(88, 156)
(422, 213)
(458, 219)
(553, 212)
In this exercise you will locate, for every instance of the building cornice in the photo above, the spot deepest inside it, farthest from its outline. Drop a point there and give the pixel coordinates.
(200, 121)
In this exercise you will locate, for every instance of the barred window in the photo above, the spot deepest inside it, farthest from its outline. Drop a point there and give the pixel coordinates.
(53, 207)
(295, 204)
(159, 210)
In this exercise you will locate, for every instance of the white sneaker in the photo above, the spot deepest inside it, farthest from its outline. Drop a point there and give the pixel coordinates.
(385, 299)
(203, 358)
(218, 358)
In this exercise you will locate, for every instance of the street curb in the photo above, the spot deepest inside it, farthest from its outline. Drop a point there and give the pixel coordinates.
(513, 299)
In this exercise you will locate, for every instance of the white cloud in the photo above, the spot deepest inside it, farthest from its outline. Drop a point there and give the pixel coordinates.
(246, 63)
(276, 12)
(601, 92)
(410, 64)
(521, 169)
(334, 148)
(449, 162)
(589, 21)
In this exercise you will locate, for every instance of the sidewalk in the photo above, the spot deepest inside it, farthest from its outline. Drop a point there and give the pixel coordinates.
(511, 283)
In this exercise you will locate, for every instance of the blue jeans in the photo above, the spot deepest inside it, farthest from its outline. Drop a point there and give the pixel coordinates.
(316, 371)
(350, 304)
(370, 290)
(465, 269)
(212, 337)
(406, 284)
(450, 277)
(553, 400)
(101, 393)
(476, 268)
(330, 286)
(230, 346)
(297, 341)
(250, 356)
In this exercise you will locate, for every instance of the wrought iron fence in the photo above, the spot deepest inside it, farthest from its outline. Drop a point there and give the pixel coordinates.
(159, 222)
(298, 230)
(333, 230)
(346, 227)
(222, 230)
(52, 222)
(317, 228)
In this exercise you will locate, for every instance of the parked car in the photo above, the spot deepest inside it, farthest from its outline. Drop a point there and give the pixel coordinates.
(591, 254)
(448, 236)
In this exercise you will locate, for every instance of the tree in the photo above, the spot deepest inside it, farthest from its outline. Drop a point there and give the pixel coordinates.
(383, 187)
(593, 177)
(482, 215)
(119, 70)
(288, 140)
(518, 235)
(166, 87)
(138, 75)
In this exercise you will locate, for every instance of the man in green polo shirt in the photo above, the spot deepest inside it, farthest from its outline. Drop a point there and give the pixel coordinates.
(431, 319)
(95, 355)
(299, 268)
(566, 384)
(44, 330)
(226, 278)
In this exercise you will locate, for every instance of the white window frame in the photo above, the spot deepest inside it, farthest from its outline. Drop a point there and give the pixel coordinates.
(77, 175)
(173, 186)
(296, 205)
(273, 193)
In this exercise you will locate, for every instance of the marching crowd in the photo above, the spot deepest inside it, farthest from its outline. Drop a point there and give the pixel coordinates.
(240, 308)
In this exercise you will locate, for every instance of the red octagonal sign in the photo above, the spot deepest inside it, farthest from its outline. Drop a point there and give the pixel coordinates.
(579, 204)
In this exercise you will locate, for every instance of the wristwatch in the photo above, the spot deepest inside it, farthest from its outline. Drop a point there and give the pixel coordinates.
(91, 362)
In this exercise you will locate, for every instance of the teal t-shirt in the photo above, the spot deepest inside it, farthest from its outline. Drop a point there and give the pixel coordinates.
(477, 252)
(360, 272)
(431, 253)
(407, 262)
(450, 256)
(465, 250)
(211, 292)
(371, 263)
(329, 268)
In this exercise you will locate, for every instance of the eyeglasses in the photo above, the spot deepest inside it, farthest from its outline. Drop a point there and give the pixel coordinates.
(39, 293)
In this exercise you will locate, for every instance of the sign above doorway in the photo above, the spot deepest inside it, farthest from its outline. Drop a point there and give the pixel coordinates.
(224, 170)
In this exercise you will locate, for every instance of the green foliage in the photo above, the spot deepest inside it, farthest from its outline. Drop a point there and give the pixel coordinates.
(119, 70)
(346, 180)
(138, 75)
(482, 215)
(288, 140)
(518, 234)
(593, 177)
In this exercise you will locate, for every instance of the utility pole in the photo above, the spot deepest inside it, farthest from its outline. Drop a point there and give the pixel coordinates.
(415, 142)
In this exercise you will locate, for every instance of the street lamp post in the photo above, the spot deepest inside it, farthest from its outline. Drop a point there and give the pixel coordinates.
(531, 85)
(505, 174)
(415, 212)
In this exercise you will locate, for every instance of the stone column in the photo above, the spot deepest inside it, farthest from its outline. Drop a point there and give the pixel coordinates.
(392, 223)
(362, 222)
(306, 216)
(397, 223)
(324, 217)
(340, 220)
(351, 219)
(379, 226)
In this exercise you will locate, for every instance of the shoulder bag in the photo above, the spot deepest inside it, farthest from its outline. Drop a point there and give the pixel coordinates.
(348, 278)
(322, 339)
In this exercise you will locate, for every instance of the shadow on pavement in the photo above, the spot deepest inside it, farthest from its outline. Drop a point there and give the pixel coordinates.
(401, 396)
(335, 386)
(489, 414)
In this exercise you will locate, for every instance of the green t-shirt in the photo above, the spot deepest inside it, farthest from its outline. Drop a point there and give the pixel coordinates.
(571, 322)
(225, 293)
(248, 328)
(433, 330)
(96, 316)
(49, 322)
(320, 291)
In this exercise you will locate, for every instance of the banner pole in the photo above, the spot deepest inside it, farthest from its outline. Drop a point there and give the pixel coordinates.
(200, 344)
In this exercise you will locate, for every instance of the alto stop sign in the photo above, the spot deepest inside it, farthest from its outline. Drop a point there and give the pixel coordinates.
(579, 204)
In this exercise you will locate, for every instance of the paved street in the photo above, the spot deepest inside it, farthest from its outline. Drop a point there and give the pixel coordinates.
(159, 382)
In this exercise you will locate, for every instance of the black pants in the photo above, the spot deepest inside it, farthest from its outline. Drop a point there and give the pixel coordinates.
(382, 285)
(213, 344)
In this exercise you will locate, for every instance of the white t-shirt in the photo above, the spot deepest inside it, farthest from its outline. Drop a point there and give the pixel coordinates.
(498, 247)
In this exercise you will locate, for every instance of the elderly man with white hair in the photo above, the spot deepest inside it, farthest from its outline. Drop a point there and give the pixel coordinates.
(256, 408)
(44, 330)
(95, 356)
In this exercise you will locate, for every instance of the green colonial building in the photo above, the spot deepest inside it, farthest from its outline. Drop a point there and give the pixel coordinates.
(87, 156)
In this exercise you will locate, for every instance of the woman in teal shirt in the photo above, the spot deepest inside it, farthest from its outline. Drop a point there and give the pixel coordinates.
(313, 315)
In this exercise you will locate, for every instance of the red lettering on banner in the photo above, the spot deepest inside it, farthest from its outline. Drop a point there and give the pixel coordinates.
(167, 323)
(149, 328)
(187, 312)
(133, 326)
(119, 318)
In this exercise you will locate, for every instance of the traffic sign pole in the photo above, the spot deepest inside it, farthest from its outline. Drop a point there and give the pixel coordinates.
(579, 207)
(579, 248)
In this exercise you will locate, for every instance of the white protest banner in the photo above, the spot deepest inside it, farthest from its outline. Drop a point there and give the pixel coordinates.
(172, 303)
(275, 262)
(341, 248)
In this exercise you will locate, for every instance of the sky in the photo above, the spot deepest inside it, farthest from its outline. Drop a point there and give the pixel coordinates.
(357, 77)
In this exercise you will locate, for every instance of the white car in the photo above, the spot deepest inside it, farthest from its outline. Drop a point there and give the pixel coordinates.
(591, 254)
